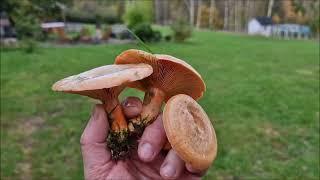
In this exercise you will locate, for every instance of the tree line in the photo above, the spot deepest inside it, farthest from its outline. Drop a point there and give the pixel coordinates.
(233, 15)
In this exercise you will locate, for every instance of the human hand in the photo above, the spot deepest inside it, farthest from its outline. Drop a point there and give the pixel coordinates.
(149, 161)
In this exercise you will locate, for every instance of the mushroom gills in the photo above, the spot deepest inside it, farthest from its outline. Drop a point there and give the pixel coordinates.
(171, 76)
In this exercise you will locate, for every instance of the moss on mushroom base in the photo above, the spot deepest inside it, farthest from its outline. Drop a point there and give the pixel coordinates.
(119, 149)
(117, 140)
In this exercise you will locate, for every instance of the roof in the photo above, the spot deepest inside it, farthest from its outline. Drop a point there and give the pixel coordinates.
(4, 22)
(263, 20)
(52, 25)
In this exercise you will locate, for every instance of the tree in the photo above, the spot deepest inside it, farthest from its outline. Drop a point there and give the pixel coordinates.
(276, 19)
(211, 13)
(199, 13)
(270, 6)
(28, 14)
(191, 10)
(289, 11)
(247, 11)
(158, 9)
(226, 15)
(231, 14)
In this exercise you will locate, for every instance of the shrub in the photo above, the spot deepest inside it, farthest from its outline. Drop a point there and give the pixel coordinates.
(107, 30)
(85, 31)
(92, 12)
(27, 27)
(146, 33)
(134, 18)
(157, 36)
(91, 18)
(168, 37)
(28, 45)
(138, 12)
(181, 30)
(85, 35)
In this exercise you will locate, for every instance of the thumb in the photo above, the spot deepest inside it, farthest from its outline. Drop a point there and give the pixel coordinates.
(97, 128)
(93, 139)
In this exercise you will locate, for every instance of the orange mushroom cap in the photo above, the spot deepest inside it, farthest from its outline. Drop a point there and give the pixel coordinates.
(103, 77)
(171, 75)
(189, 131)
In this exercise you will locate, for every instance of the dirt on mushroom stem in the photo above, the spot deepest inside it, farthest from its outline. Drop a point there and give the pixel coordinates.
(152, 104)
(118, 139)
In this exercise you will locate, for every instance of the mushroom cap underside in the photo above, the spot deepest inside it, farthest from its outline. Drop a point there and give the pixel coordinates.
(170, 74)
(103, 77)
(189, 131)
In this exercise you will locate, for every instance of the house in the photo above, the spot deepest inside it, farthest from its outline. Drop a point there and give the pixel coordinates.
(8, 35)
(55, 28)
(260, 26)
(6, 26)
(291, 31)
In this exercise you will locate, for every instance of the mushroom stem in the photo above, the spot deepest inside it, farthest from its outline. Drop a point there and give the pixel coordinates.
(152, 103)
(117, 139)
(118, 121)
(116, 117)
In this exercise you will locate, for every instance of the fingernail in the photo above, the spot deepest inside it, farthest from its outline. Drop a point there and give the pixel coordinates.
(128, 104)
(168, 170)
(146, 151)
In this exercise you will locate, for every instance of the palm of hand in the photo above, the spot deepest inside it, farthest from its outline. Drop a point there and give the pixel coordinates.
(148, 161)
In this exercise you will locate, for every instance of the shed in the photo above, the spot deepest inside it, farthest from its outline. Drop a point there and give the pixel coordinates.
(260, 26)
(56, 28)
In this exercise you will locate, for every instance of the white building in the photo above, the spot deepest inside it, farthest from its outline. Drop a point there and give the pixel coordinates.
(260, 26)
(291, 31)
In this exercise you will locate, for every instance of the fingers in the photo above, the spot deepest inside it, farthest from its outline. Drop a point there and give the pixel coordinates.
(132, 107)
(97, 127)
(152, 140)
(195, 171)
(93, 139)
(172, 167)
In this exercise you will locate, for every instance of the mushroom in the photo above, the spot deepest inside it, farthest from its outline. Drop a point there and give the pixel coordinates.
(190, 131)
(171, 76)
(105, 83)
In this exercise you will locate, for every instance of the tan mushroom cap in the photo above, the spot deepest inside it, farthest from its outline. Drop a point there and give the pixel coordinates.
(103, 77)
(170, 74)
(190, 131)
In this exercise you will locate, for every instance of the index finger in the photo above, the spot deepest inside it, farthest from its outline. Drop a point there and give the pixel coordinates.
(152, 140)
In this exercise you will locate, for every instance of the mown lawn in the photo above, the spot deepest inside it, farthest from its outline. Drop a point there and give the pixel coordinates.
(262, 96)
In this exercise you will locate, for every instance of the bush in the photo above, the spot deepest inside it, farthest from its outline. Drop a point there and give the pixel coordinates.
(103, 12)
(85, 34)
(181, 30)
(27, 27)
(168, 37)
(28, 45)
(93, 18)
(146, 33)
(134, 18)
(137, 13)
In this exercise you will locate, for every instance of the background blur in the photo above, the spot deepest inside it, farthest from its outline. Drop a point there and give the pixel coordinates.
(259, 59)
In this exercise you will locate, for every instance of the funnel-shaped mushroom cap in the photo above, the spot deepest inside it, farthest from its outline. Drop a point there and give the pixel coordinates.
(102, 78)
(171, 75)
(190, 131)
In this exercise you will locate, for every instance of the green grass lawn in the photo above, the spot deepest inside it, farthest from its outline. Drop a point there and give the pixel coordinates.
(262, 96)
